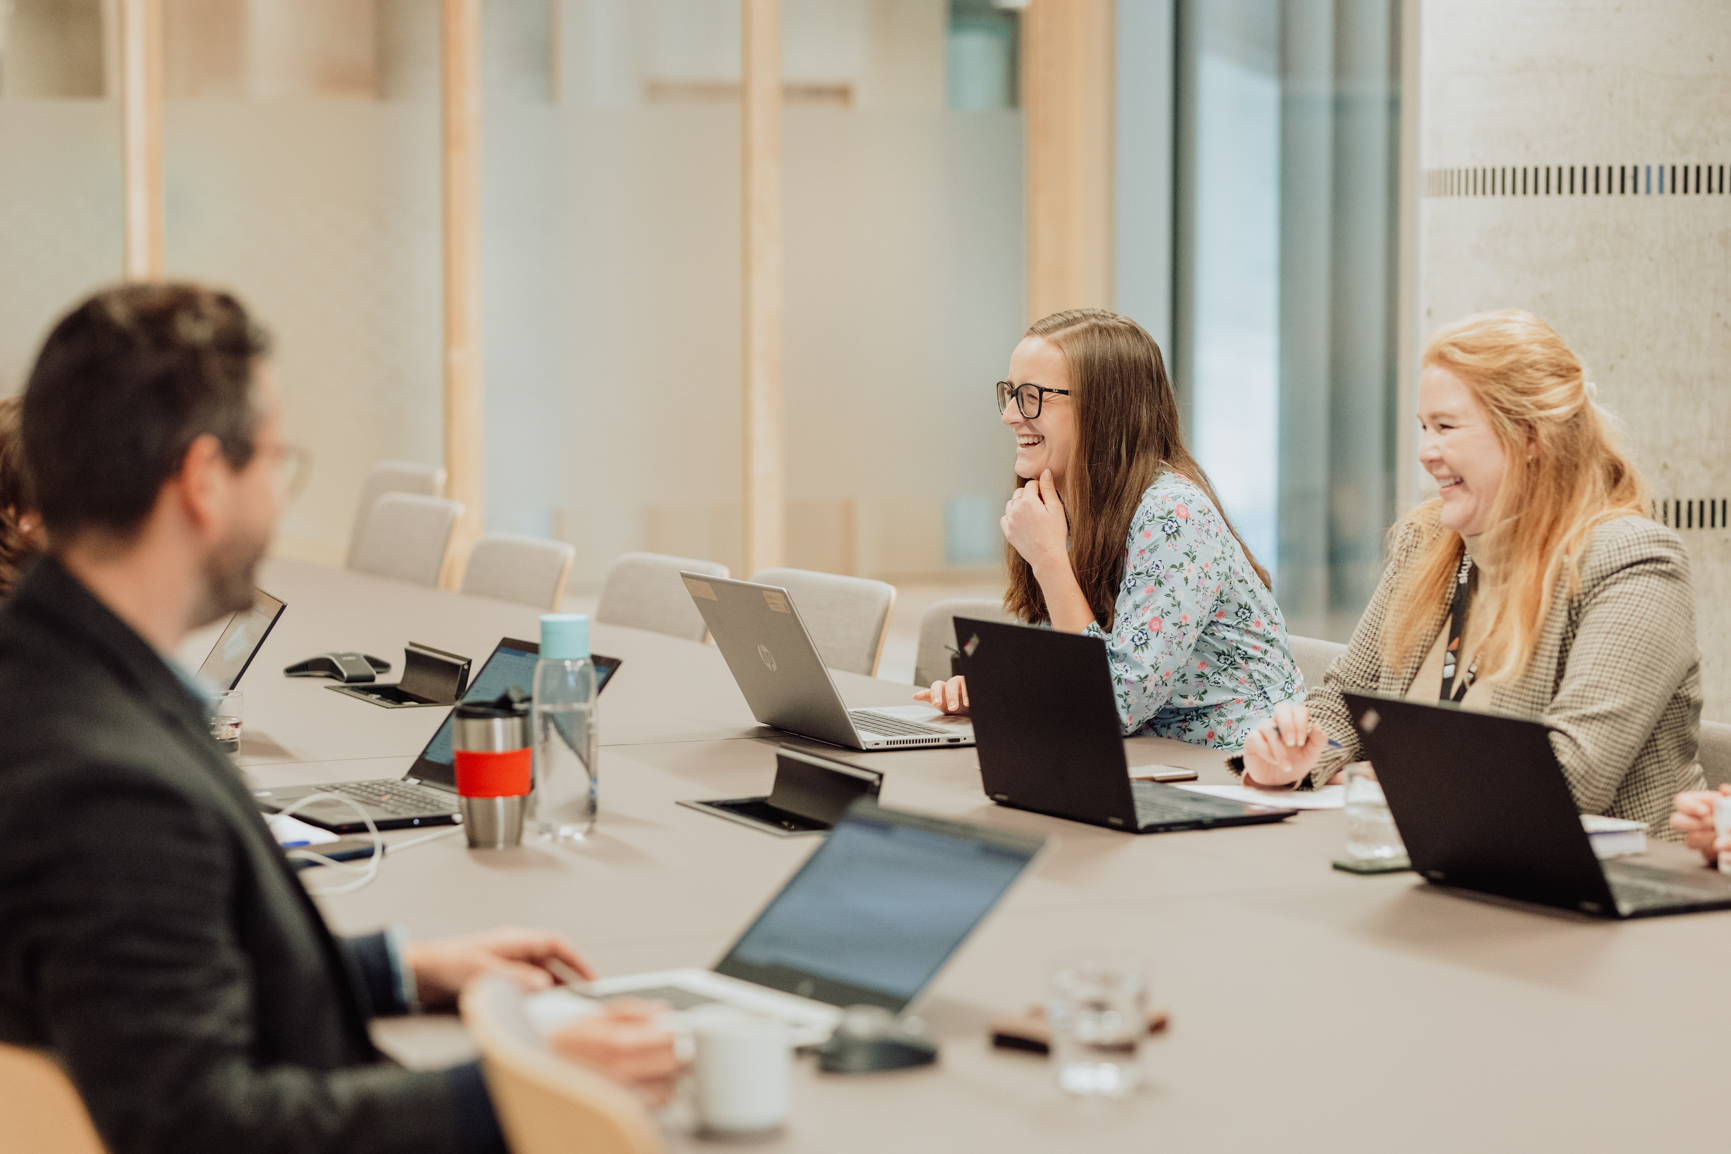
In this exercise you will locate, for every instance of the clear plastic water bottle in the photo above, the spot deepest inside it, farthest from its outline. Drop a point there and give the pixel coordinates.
(567, 786)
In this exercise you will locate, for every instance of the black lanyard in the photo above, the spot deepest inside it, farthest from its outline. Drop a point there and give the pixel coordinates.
(1465, 583)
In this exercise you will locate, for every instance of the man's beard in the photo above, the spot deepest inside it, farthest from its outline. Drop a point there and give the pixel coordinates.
(229, 578)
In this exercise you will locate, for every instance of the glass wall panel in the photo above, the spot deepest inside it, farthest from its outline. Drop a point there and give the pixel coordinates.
(60, 190)
(301, 169)
(612, 285)
(1286, 284)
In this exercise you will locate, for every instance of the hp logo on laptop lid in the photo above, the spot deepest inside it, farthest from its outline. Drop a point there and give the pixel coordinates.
(768, 657)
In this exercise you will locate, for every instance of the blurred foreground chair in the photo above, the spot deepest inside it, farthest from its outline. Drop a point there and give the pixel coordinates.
(644, 591)
(512, 567)
(847, 617)
(40, 1108)
(406, 536)
(548, 1105)
(1314, 656)
(1715, 753)
(938, 635)
(392, 477)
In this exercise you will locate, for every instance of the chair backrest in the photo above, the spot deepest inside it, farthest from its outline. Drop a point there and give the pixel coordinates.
(938, 635)
(643, 590)
(512, 567)
(42, 1111)
(1314, 656)
(406, 536)
(1715, 753)
(393, 477)
(546, 1104)
(847, 617)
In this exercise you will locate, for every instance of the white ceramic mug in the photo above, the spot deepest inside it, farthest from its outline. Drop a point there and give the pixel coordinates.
(744, 1065)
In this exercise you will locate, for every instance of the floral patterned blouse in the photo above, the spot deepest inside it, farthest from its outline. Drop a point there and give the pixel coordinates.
(1197, 647)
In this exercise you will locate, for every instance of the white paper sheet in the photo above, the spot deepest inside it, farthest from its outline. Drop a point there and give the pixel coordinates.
(1328, 797)
(290, 830)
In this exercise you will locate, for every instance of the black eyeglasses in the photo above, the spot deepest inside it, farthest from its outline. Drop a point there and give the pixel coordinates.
(1027, 396)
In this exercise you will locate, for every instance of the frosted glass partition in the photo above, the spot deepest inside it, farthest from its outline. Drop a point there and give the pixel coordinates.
(323, 214)
(613, 307)
(60, 201)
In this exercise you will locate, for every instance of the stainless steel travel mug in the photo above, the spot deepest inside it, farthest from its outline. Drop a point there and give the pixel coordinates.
(495, 768)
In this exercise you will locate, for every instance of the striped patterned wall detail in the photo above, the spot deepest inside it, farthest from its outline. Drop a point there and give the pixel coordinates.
(1578, 180)
(1698, 514)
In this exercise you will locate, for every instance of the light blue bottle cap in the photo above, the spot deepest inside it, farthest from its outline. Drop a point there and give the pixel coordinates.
(564, 636)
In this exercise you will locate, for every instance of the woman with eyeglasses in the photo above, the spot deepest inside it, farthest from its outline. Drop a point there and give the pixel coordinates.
(1533, 584)
(1114, 531)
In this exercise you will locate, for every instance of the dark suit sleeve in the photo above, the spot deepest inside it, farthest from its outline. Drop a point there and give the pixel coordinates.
(120, 920)
(374, 963)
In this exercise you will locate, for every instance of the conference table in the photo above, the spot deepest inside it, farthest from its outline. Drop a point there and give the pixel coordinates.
(1311, 1009)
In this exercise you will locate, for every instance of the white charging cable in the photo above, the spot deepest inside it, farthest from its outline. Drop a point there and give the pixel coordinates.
(368, 872)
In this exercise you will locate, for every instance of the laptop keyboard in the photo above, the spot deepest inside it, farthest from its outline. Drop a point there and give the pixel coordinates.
(888, 725)
(1638, 887)
(1155, 806)
(675, 996)
(401, 798)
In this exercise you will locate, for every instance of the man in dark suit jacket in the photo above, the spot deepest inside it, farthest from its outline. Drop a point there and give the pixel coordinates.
(152, 935)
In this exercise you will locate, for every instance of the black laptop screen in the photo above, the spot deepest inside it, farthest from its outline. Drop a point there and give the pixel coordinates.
(877, 910)
(233, 652)
(512, 664)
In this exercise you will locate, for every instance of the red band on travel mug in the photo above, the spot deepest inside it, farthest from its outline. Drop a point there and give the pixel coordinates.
(506, 774)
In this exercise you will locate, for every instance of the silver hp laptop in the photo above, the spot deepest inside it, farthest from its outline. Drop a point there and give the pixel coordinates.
(758, 630)
(869, 919)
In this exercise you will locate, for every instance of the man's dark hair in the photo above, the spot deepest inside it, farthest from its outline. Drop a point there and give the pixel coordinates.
(123, 386)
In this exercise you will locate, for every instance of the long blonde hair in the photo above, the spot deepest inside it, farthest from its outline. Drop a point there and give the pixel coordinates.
(1564, 477)
(1126, 431)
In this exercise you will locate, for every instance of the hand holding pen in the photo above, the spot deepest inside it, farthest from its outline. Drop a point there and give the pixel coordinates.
(1281, 752)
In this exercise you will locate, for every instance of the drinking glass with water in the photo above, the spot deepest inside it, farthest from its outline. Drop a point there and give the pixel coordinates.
(227, 718)
(567, 783)
(1099, 1016)
(1371, 834)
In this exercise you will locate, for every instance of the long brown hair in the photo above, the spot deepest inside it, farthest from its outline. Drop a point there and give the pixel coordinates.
(1564, 477)
(1126, 431)
(16, 496)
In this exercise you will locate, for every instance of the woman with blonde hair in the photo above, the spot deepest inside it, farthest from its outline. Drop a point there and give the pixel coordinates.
(1533, 584)
(1113, 531)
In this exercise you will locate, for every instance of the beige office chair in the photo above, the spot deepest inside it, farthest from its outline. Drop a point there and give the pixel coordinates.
(1715, 753)
(546, 1104)
(643, 590)
(512, 567)
(40, 1110)
(1314, 656)
(406, 536)
(392, 477)
(938, 635)
(847, 617)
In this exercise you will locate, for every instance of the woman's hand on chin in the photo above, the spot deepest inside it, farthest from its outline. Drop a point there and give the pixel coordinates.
(946, 696)
(1283, 750)
(1034, 523)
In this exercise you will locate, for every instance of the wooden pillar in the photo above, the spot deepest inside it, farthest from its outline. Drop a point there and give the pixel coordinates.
(765, 531)
(460, 101)
(1067, 103)
(141, 137)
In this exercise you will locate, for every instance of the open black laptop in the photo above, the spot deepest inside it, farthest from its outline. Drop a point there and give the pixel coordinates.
(427, 794)
(1483, 805)
(231, 656)
(1046, 724)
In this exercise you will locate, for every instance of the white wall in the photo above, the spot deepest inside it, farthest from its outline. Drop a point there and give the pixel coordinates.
(1639, 285)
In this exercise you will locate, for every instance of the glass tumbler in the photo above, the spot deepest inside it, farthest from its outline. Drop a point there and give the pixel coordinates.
(227, 714)
(1371, 834)
(1099, 1017)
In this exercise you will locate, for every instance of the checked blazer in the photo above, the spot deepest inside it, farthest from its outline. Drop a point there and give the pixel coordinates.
(1616, 674)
